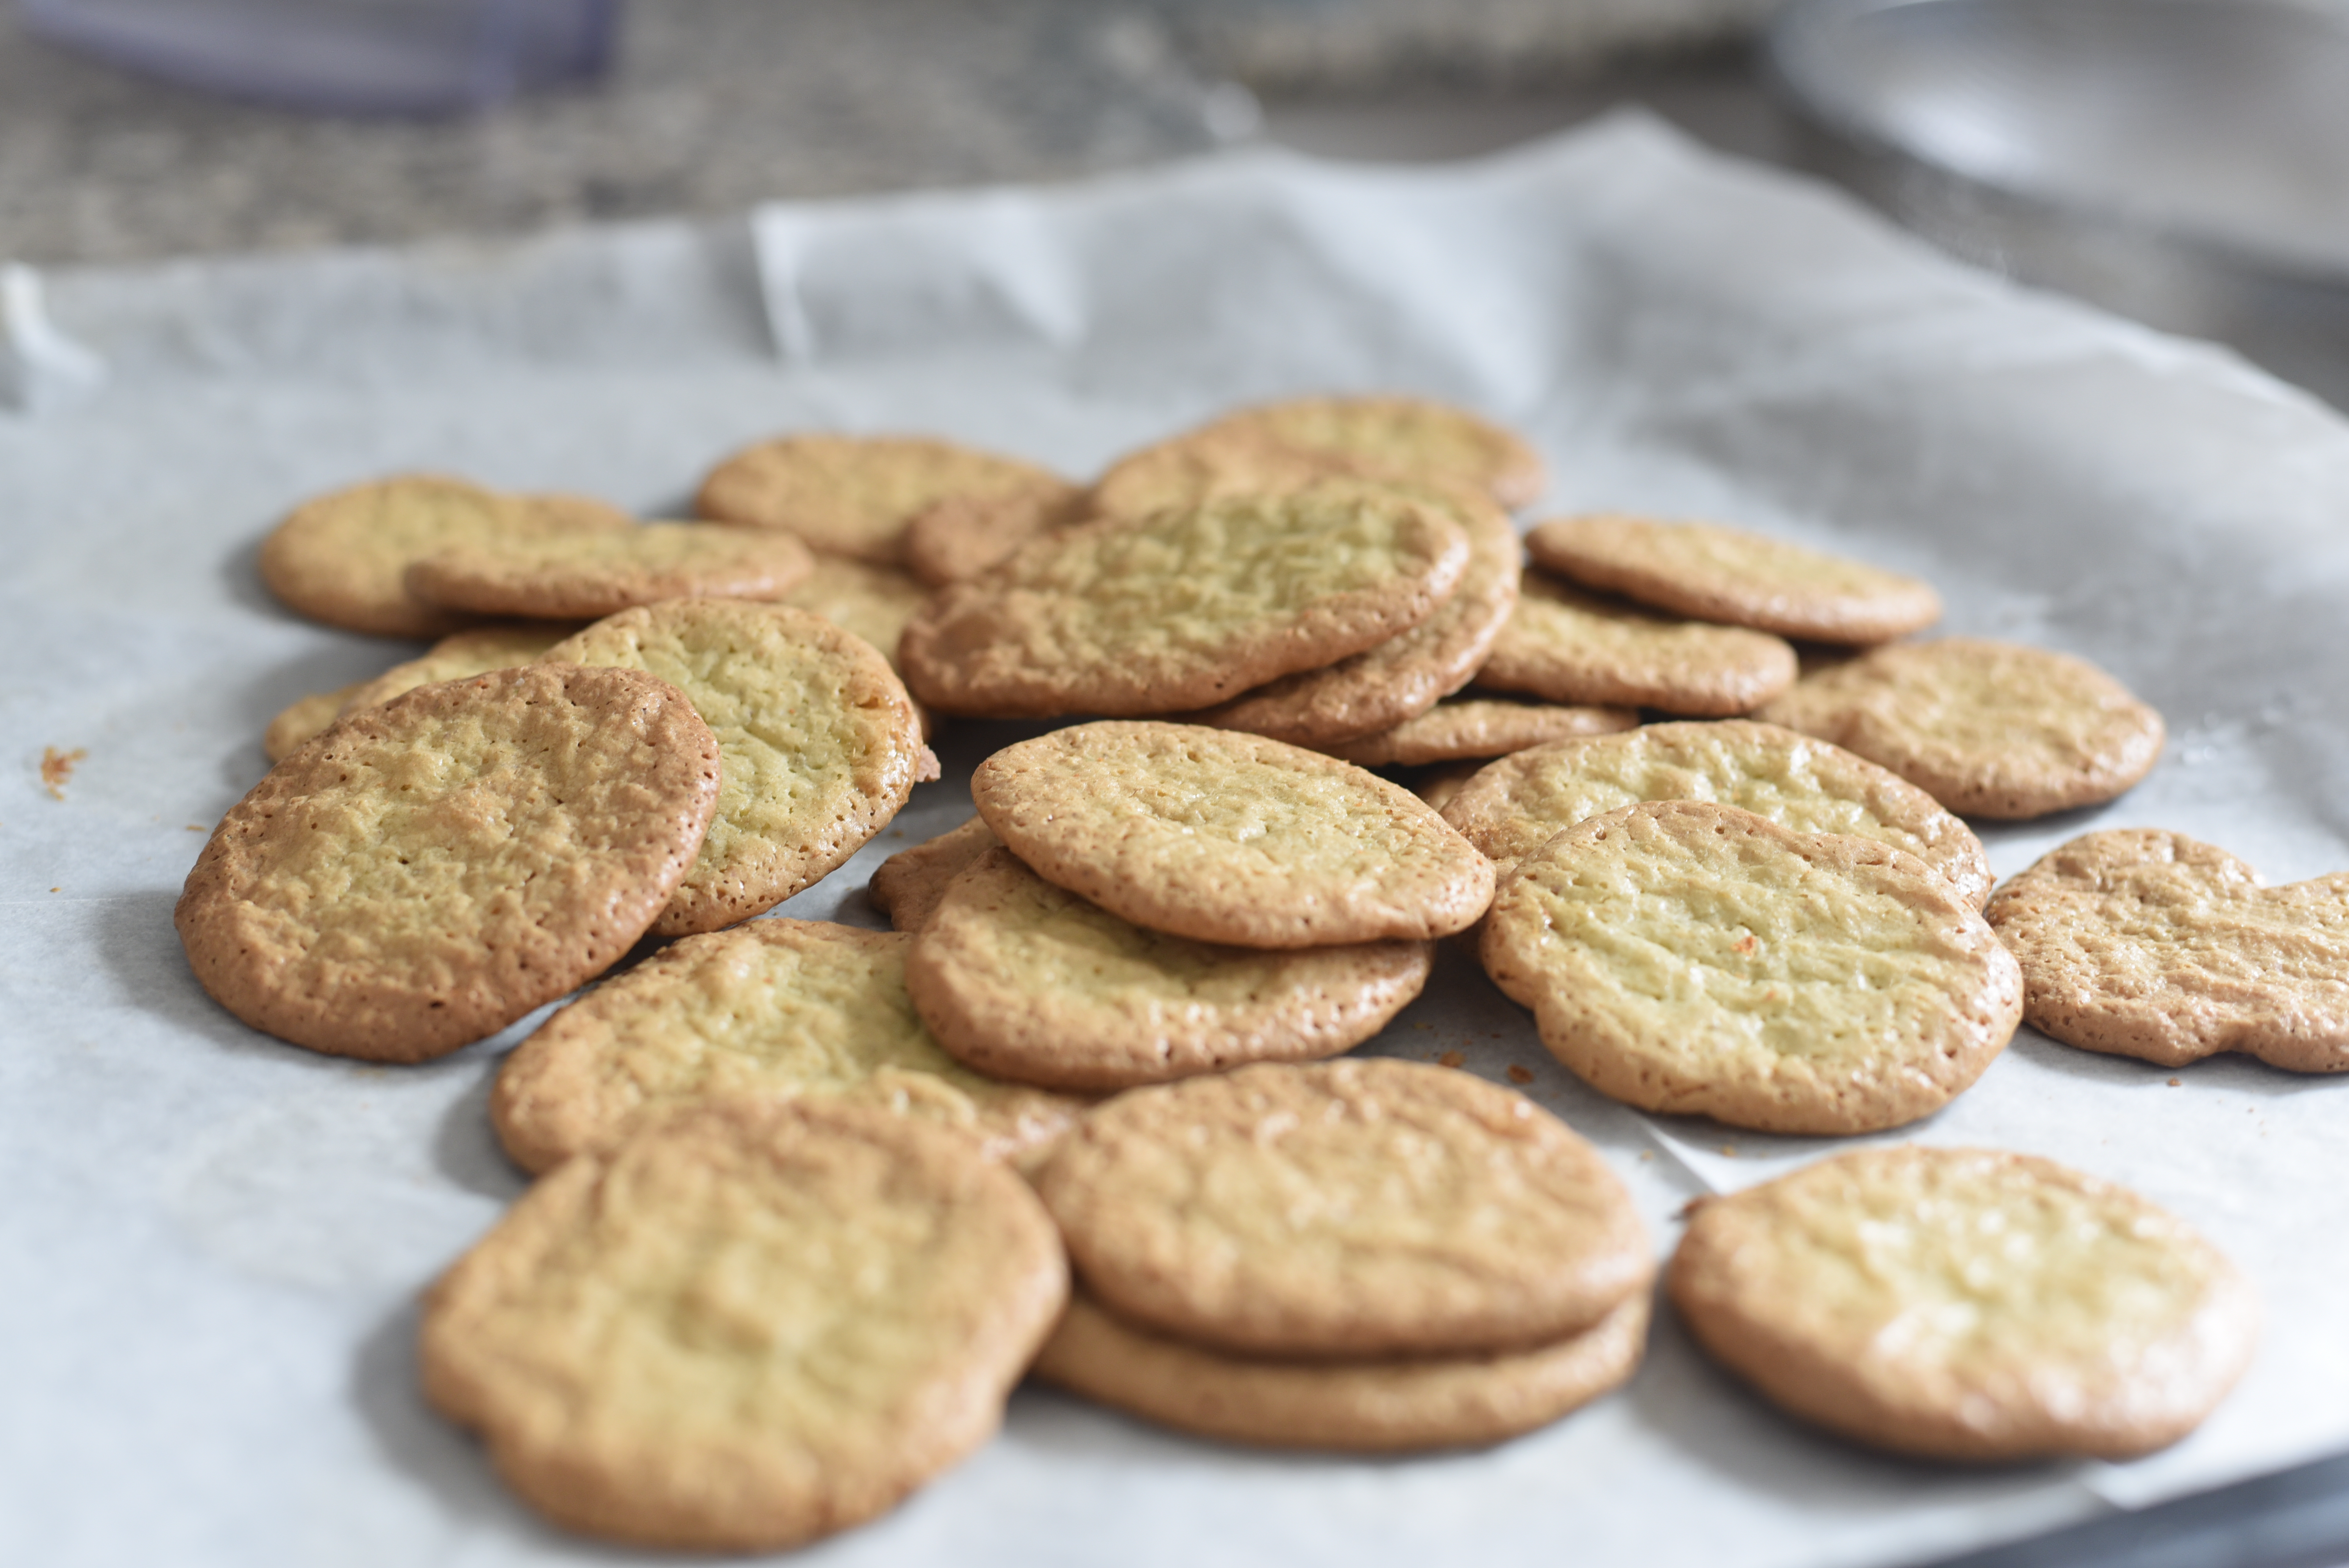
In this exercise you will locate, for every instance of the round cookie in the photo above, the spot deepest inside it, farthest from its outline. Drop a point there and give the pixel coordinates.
(1404, 438)
(1967, 1304)
(1693, 958)
(853, 495)
(2141, 942)
(1458, 730)
(303, 717)
(1183, 608)
(821, 747)
(1712, 573)
(1390, 1405)
(1230, 838)
(1028, 982)
(587, 578)
(426, 871)
(1513, 805)
(751, 1325)
(343, 558)
(1987, 729)
(1205, 466)
(772, 1009)
(909, 884)
(476, 651)
(1565, 645)
(960, 536)
(1343, 1210)
(1402, 678)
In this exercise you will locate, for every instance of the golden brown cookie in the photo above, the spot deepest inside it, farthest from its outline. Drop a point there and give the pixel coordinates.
(751, 1325)
(1026, 981)
(426, 871)
(1713, 573)
(960, 536)
(1566, 645)
(475, 650)
(772, 1009)
(872, 601)
(853, 495)
(1515, 805)
(1402, 437)
(821, 746)
(302, 719)
(1461, 728)
(1223, 837)
(1693, 958)
(1391, 1405)
(587, 578)
(1183, 608)
(1988, 729)
(1341, 1210)
(342, 558)
(909, 884)
(2141, 942)
(1402, 678)
(1217, 464)
(1967, 1304)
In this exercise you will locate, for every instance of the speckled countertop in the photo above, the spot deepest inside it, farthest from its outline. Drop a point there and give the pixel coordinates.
(713, 105)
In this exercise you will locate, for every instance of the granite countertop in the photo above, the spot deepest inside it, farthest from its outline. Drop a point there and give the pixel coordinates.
(713, 105)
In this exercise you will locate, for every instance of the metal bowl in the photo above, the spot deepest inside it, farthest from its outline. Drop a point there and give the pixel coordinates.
(2186, 161)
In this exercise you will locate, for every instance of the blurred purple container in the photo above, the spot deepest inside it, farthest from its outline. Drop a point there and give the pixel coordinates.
(344, 56)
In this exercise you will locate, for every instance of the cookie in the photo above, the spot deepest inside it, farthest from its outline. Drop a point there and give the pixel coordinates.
(1402, 678)
(909, 884)
(1459, 728)
(1708, 573)
(343, 558)
(751, 1325)
(1693, 958)
(774, 1009)
(303, 717)
(587, 578)
(1206, 466)
(821, 747)
(960, 536)
(853, 495)
(1404, 438)
(1387, 1406)
(1566, 645)
(1963, 1303)
(426, 872)
(1515, 805)
(872, 601)
(1341, 1210)
(476, 651)
(1230, 838)
(1181, 609)
(1026, 981)
(1988, 729)
(2141, 942)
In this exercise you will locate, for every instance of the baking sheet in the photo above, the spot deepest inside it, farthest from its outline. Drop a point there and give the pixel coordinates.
(212, 1241)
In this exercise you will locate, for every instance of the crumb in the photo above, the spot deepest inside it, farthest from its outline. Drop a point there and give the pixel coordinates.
(198, 828)
(1745, 944)
(1449, 1059)
(1646, 1154)
(1419, 1025)
(1520, 1075)
(56, 889)
(57, 767)
(1729, 1151)
(2174, 1082)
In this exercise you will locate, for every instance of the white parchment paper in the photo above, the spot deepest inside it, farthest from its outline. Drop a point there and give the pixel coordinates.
(213, 1243)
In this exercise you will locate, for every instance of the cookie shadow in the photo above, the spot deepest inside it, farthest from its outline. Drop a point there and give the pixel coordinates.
(2227, 1070)
(465, 1147)
(137, 943)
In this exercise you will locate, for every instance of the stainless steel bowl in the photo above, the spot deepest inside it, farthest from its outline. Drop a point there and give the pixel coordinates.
(2183, 160)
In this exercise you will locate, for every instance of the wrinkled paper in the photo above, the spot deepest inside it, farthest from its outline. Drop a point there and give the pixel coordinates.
(214, 1243)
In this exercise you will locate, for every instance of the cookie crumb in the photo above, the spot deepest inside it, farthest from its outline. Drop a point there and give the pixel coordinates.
(1449, 1059)
(1520, 1075)
(2174, 1082)
(1729, 1151)
(1646, 1154)
(56, 768)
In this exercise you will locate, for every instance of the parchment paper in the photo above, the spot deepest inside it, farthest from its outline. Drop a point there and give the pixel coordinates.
(213, 1243)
